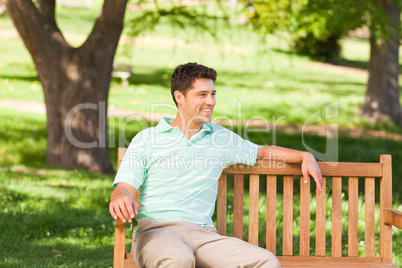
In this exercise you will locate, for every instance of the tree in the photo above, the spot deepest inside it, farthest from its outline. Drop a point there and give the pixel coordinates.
(76, 80)
(72, 77)
(316, 26)
(382, 95)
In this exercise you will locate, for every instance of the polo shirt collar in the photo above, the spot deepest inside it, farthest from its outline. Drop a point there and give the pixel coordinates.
(164, 125)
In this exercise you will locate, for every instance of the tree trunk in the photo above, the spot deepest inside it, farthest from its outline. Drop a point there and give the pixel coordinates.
(75, 80)
(382, 95)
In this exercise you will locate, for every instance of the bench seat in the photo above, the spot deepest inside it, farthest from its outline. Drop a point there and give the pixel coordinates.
(313, 262)
(337, 175)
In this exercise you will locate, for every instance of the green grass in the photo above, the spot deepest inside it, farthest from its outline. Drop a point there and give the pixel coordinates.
(268, 80)
(55, 217)
(296, 220)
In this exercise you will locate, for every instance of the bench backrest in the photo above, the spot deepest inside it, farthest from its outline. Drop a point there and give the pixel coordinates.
(333, 174)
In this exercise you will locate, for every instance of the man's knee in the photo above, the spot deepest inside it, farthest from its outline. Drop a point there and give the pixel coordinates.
(271, 262)
(177, 259)
(274, 263)
(266, 259)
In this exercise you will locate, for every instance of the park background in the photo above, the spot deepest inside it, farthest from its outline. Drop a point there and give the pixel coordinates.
(58, 217)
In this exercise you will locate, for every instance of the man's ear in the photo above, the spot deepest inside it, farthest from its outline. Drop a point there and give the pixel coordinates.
(179, 97)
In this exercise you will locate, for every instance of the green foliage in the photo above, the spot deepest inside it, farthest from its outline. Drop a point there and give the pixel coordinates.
(149, 14)
(316, 26)
(325, 50)
(58, 217)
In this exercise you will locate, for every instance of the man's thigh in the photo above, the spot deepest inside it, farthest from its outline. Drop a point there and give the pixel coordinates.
(160, 247)
(232, 252)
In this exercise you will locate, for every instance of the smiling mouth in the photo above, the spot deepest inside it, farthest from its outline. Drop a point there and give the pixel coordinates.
(207, 110)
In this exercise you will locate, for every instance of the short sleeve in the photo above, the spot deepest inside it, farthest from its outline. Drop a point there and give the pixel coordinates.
(241, 151)
(132, 169)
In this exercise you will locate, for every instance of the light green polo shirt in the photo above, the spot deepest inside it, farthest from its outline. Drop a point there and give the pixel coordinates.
(179, 176)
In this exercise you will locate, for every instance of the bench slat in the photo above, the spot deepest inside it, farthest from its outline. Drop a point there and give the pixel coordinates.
(305, 264)
(129, 261)
(337, 217)
(321, 220)
(339, 169)
(288, 216)
(119, 243)
(387, 217)
(369, 231)
(238, 206)
(309, 262)
(221, 204)
(386, 203)
(271, 213)
(120, 155)
(304, 218)
(330, 259)
(353, 237)
(253, 212)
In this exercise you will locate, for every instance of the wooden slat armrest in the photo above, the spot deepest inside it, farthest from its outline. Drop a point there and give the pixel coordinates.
(119, 243)
(393, 217)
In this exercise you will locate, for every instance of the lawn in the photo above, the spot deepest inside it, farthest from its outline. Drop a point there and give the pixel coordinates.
(56, 217)
(261, 76)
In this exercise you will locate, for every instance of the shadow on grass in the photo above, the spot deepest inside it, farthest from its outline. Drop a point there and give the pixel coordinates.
(27, 78)
(301, 83)
(159, 77)
(60, 254)
(25, 139)
(357, 64)
(340, 61)
(57, 234)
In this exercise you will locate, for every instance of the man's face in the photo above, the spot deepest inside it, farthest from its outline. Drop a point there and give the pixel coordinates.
(199, 102)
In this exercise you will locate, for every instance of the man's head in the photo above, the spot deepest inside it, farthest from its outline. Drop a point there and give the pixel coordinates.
(193, 92)
(184, 76)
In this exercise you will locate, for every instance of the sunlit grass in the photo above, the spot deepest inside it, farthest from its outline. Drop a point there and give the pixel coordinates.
(58, 217)
(264, 76)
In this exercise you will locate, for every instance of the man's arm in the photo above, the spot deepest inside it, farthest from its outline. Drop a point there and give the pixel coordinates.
(309, 164)
(122, 204)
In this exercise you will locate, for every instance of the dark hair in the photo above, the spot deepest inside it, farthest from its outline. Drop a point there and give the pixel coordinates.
(184, 77)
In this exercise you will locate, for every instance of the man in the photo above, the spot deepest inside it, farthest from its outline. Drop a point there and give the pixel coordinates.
(177, 164)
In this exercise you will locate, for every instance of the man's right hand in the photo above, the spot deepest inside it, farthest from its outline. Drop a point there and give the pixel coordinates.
(122, 204)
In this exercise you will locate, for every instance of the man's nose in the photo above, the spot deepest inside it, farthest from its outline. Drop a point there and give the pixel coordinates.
(210, 100)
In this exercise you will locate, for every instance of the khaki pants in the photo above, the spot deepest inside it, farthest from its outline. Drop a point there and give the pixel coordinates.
(183, 244)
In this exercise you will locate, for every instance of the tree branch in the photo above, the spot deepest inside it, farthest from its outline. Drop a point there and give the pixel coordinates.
(108, 26)
(39, 36)
(26, 19)
(47, 10)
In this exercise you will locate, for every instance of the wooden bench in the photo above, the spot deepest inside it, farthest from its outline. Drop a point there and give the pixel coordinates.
(333, 175)
(123, 72)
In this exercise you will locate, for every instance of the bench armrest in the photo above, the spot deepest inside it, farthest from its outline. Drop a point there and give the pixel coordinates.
(119, 243)
(393, 217)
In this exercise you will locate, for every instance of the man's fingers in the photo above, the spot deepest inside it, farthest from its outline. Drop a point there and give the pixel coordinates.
(121, 210)
(111, 211)
(318, 181)
(135, 206)
(305, 176)
(119, 214)
(129, 209)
